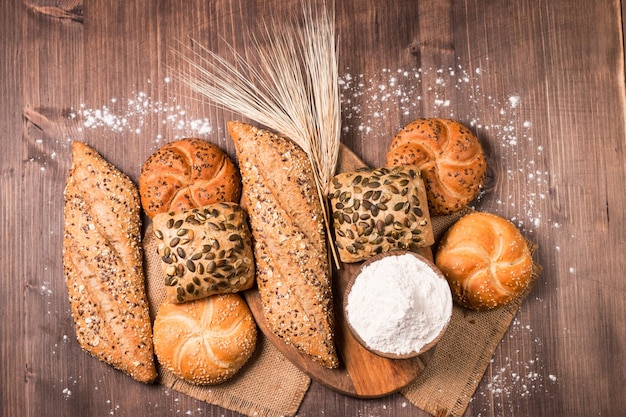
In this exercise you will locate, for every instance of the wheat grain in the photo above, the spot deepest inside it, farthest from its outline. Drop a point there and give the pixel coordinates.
(290, 87)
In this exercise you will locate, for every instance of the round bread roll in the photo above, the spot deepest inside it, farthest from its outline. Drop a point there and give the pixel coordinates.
(485, 260)
(186, 174)
(450, 158)
(205, 341)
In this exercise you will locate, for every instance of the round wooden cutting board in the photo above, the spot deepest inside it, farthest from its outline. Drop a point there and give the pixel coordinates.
(361, 373)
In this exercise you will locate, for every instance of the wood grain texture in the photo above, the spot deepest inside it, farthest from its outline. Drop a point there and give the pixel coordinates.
(14, 368)
(557, 168)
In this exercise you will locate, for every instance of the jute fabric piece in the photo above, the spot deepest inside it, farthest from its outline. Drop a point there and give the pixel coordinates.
(267, 386)
(463, 354)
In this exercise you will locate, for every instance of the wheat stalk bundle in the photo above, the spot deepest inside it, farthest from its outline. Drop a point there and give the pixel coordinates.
(290, 87)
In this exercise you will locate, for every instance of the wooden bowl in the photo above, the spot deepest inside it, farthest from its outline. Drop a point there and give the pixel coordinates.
(432, 267)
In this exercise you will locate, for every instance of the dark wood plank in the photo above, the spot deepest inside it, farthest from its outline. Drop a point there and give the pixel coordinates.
(14, 368)
(53, 75)
(555, 165)
(542, 84)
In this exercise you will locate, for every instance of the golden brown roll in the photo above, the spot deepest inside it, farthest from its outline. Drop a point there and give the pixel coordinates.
(450, 157)
(102, 261)
(186, 174)
(205, 341)
(486, 261)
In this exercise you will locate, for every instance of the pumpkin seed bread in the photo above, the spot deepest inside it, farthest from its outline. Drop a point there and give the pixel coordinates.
(205, 251)
(102, 261)
(378, 210)
(289, 240)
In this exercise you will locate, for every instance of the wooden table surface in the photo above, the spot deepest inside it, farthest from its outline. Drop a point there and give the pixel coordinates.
(540, 82)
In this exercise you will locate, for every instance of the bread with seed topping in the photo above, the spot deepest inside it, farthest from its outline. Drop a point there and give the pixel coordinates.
(185, 174)
(205, 251)
(102, 262)
(450, 157)
(289, 240)
(205, 341)
(378, 210)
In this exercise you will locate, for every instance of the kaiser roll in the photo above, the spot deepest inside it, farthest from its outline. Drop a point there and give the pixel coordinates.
(186, 174)
(205, 341)
(450, 158)
(486, 261)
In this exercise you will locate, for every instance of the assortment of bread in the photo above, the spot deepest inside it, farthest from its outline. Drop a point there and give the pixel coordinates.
(450, 157)
(378, 210)
(205, 251)
(205, 341)
(485, 260)
(221, 228)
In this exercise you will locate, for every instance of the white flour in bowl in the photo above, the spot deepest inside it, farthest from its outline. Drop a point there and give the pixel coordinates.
(398, 305)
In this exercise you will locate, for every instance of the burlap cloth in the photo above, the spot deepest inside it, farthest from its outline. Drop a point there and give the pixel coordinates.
(269, 385)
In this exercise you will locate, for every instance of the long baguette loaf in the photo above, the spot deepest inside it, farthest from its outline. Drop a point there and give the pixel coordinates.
(102, 261)
(286, 219)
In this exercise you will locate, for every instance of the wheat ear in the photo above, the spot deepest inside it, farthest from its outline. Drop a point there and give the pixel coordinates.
(291, 87)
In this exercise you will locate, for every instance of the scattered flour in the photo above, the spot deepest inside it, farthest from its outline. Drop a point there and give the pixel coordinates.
(44, 289)
(512, 377)
(368, 100)
(132, 115)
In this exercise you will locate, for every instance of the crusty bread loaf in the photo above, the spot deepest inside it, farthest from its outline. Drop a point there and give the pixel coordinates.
(485, 260)
(450, 157)
(378, 210)
(289, 240)
(185, 174)
(102, 261)
(205, 341)
(205, 251)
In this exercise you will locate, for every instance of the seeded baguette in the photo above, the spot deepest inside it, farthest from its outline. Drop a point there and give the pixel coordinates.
(289, 241)
(205, 251)
(102, 261)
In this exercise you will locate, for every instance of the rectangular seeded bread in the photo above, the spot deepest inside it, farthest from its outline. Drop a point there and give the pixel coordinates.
(378, 210)
(292, 268)
(102, 261)
(205, 251)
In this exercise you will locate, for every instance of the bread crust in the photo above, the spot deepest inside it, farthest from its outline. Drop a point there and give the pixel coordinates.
(186, 174)
(486, 261)
(378, 210)
(450, 157)
(289, 240)
(205, 251)
(205, 341)
(102, 261)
